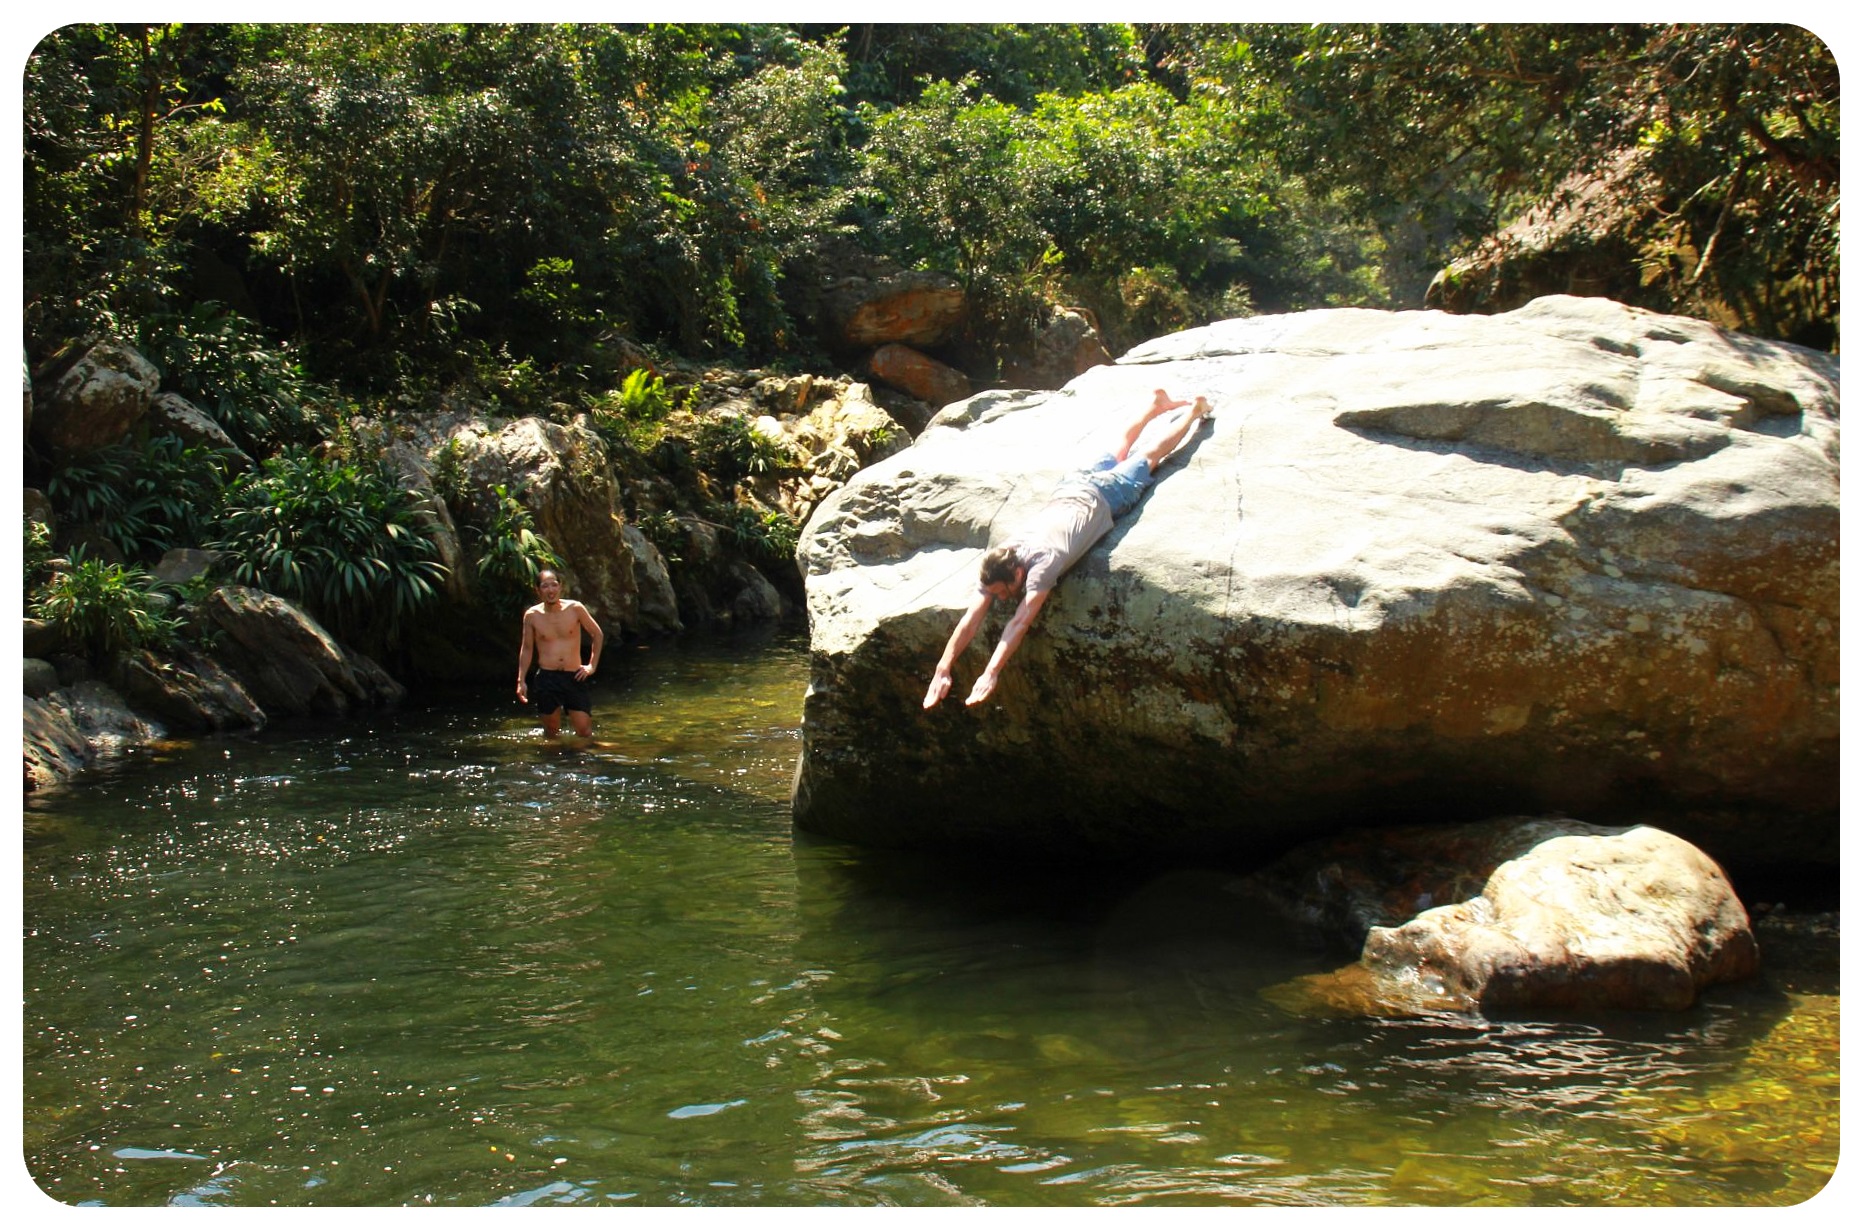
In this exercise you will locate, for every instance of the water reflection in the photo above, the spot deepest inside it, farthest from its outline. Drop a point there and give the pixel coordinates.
(431, 961)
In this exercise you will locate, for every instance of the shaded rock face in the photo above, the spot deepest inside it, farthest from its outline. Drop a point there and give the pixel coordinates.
(188, 692)
(94, 402)
(177, 416)
(658, 608)
(1578, 557)
(561, 474)
(288, 665)
(1577, 241)
(40, 678)
(919, 308)
(1064, 347)
(1564, 916)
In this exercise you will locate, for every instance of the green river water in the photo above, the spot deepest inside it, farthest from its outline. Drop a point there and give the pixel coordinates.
(422, 959)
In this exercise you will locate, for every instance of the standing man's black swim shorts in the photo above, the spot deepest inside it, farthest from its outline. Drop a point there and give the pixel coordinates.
(553, 690)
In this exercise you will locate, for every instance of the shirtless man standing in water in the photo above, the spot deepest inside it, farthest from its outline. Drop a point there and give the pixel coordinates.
(553, 634)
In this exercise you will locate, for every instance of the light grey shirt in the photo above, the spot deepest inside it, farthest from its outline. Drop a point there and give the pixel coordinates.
(1073, 520)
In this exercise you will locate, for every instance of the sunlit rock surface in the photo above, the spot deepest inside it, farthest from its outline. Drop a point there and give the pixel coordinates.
(1578, 557)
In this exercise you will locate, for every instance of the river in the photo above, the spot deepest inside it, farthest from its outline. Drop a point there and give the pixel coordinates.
(421, 959)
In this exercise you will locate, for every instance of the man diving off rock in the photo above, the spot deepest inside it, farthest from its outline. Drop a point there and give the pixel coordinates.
(1077, 515)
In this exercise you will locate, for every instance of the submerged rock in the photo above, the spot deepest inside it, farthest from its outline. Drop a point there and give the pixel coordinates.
(1567, 916)
(1579, 557)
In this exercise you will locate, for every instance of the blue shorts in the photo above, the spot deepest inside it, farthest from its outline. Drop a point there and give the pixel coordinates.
(1119, 483)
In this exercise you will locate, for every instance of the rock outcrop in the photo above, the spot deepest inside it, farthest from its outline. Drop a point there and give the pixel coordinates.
(1535, 914)
(76, 727)
(922, 376)
(1577, 241)
(93, 402)
(1066, 345)
(175, 415)
(1579, 557)
(187, 691)
(919, 308)
(288, 665)
(560, 471)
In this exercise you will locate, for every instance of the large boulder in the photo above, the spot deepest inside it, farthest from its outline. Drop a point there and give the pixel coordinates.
(918, 374)
(94, 401)
(415, 467)
(286, 663)
(187, 691)
(55, 750)
(560, 471)
(1534, 914)
(1066, 344)
(76, 727)
(175, 415)
(658, 605)
(1578, 557)
(916, 307)
(1578, 240)
(836, 437)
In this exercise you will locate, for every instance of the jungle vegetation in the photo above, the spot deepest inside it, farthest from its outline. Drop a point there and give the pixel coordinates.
(299, 223)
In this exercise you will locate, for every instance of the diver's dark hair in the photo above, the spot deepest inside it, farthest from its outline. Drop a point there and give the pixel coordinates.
(999, 566)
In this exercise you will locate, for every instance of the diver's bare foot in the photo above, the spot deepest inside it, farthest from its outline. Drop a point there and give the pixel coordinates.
(1162, 401)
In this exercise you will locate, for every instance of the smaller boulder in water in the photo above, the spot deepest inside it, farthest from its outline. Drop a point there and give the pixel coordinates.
(1572, 916)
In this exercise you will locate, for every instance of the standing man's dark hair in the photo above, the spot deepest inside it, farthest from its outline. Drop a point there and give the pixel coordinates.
(553, 636)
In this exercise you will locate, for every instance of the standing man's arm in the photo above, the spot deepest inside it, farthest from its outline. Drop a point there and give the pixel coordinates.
(960, 638)
(1013, 633)
(595, 641)
(527, 647)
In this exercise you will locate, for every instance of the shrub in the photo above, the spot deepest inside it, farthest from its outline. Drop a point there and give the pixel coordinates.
(344, 540)
(37, 554)
(107, 607)
(255, 389)
(767, 537)
(631, 417)
(665, 532)
(730, 448)
(165, 494)
(511, 553)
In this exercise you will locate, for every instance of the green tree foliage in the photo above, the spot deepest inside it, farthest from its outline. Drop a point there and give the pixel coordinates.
(1440, 134)
(343, 539)
(254, 388)
(889, 63)
(412, 205)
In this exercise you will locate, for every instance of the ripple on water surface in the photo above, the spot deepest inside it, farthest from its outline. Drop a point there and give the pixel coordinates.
(426, 960)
